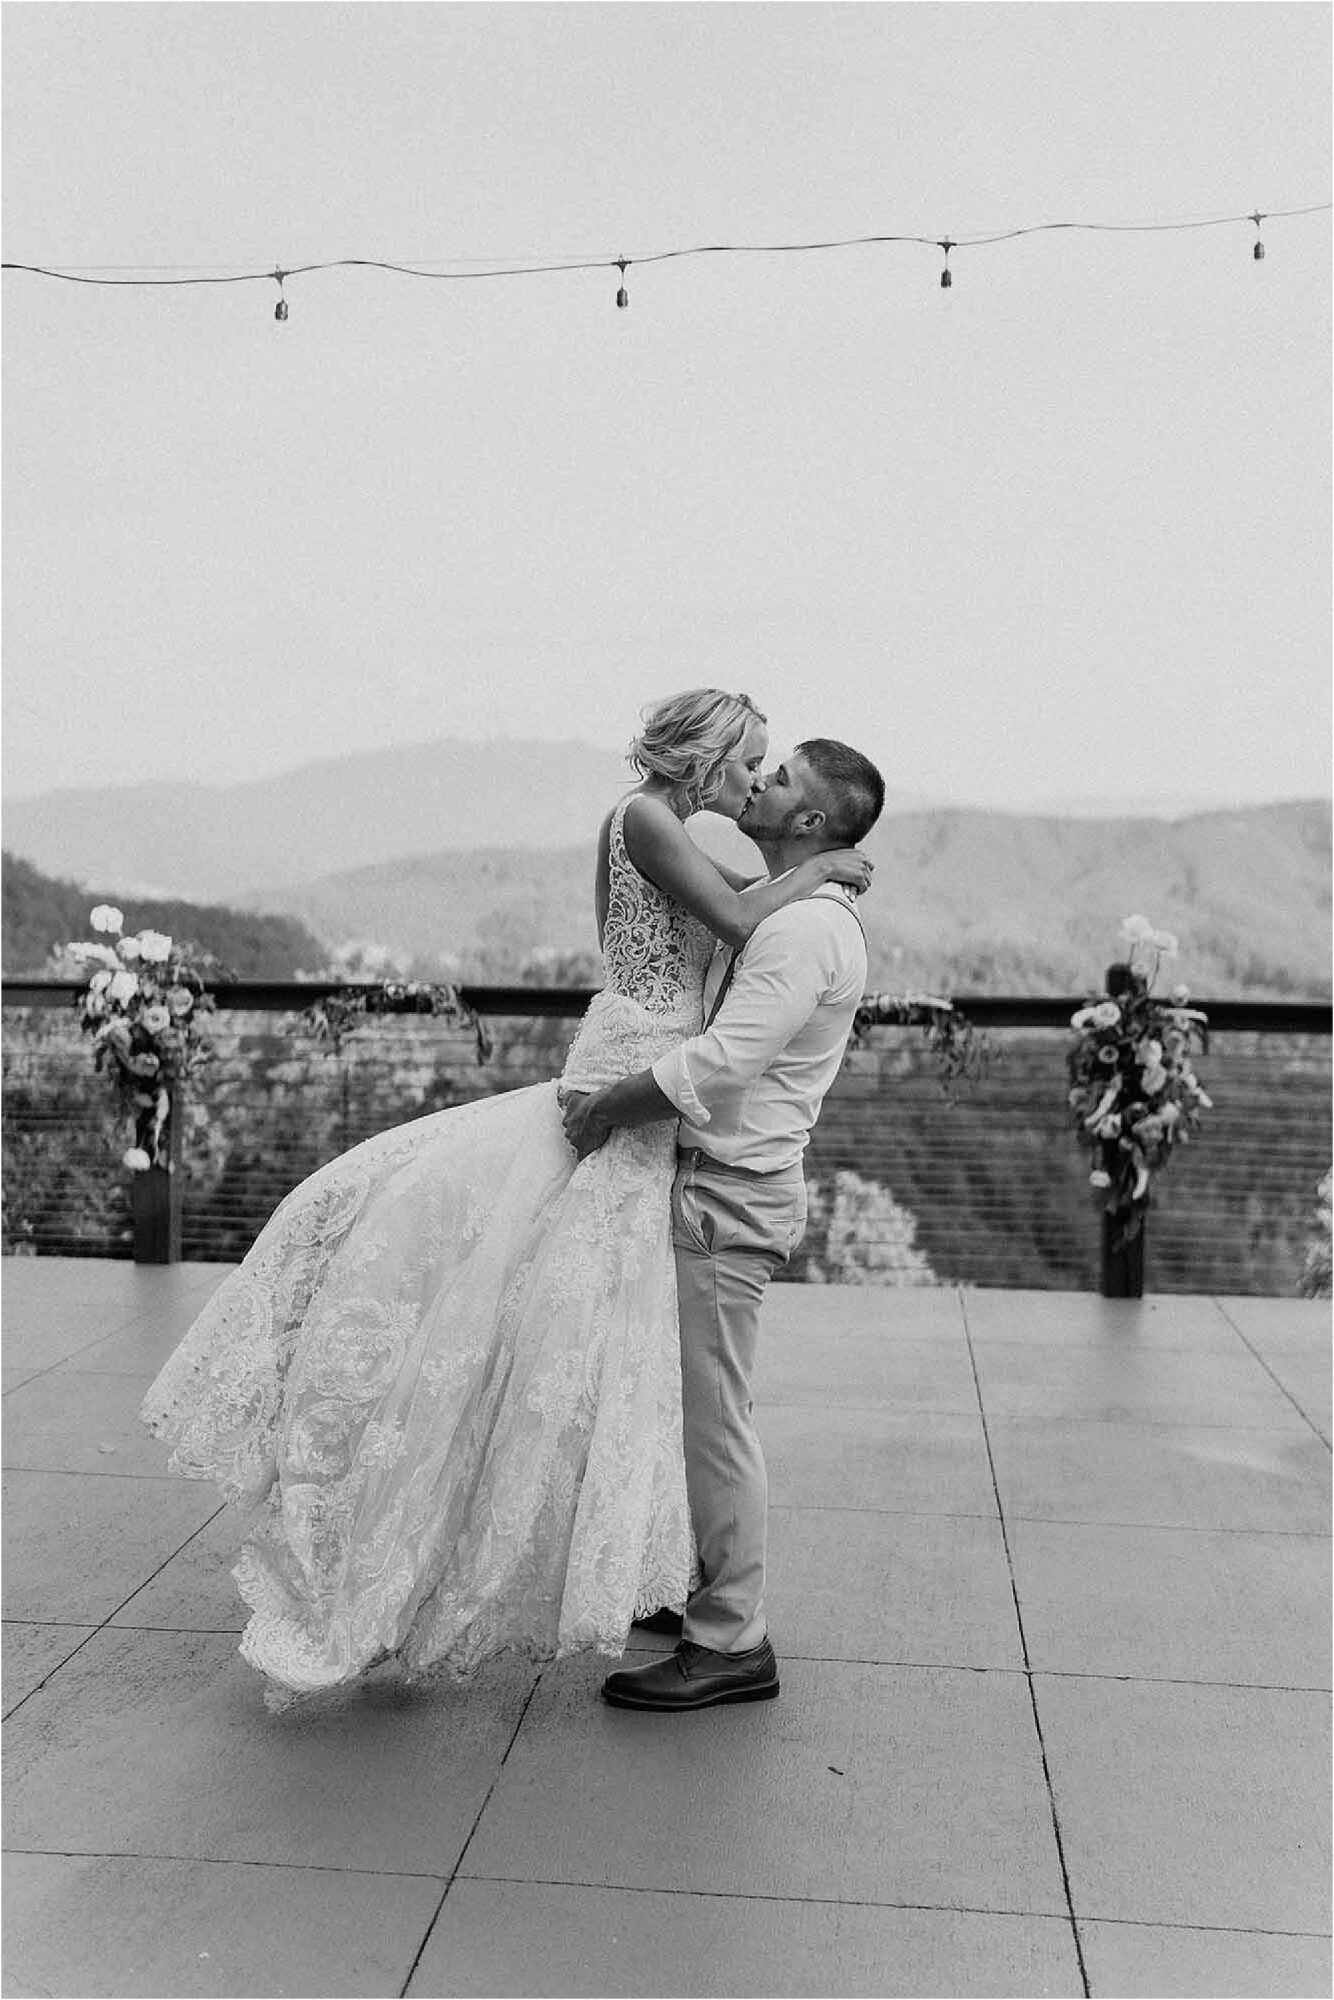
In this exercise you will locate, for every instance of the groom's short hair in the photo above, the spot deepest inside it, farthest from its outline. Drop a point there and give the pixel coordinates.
(854, 788)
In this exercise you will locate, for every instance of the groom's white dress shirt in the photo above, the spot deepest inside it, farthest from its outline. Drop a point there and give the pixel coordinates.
(750, 1087)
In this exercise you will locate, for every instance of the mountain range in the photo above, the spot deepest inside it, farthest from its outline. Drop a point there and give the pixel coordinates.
(416, 851)
(212, 843)
(978, 902)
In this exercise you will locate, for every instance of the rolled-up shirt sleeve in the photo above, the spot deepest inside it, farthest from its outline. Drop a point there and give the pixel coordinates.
(780, 979)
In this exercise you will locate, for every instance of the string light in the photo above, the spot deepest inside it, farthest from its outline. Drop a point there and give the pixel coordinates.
(536, 267)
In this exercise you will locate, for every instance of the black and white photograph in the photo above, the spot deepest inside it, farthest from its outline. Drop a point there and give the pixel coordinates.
(667, 772)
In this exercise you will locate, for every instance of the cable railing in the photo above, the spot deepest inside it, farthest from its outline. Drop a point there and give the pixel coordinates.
(906, 1187)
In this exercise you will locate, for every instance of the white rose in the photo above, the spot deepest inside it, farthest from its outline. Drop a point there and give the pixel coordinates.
(154, 946)
(129, 949)
(136, 1159)
(1099, 1179)
(1149, 1054)
(1181, 995)
(106, 917)
(1136, 930)
(1106, 1014)
(180, 999)
(93, 954)
(1153, 1081)
(124, 985)
(1164, 942)
(155, 1019)
(99, 981)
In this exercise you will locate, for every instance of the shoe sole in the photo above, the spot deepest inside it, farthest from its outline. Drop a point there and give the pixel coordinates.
(766, 1691)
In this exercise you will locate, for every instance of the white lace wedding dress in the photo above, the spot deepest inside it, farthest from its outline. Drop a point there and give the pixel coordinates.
(447, 1375)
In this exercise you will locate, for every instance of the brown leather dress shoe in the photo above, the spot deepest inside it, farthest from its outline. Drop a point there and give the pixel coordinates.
(694, 1677)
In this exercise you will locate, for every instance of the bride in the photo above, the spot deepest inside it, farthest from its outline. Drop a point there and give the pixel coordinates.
(445, 1381)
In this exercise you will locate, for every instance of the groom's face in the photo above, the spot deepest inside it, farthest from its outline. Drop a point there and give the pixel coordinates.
(788, 795)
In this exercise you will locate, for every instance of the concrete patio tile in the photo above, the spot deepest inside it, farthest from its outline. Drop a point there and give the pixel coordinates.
(139, 1349)
(1279, 1325)
(1130, 1384)
(33, 1651)
(859, 1784)
(68, 1421)
(832, 1312)
(160, 1743)
(48, 1331)
(1087, 1319)
(1149, 1960)
(544, 1938)
(1306, 1377)
(868, 1371)
(139, 1346)
(77, 1544)
(927, 1589)
(929, 1462)
(1174, 1603)
(1191, 1805)
(1161, 1475)
(116, 1925)
(195, 1591)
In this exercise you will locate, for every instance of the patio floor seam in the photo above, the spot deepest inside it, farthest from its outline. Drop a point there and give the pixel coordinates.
(1028, 1669)
(1057, 1916)
(1256, 1355)
(472, 1831)
(105, 1623)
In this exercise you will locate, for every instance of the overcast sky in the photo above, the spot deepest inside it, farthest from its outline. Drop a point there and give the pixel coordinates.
(1063, 529)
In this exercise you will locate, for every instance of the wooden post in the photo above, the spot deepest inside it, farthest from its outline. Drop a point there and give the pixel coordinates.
(1123, 1268)
(155, 1201)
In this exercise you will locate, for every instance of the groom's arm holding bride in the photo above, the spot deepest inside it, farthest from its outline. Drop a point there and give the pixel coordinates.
(794, 960)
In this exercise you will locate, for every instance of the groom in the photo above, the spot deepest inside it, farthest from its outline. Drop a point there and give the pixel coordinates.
(747, 1092)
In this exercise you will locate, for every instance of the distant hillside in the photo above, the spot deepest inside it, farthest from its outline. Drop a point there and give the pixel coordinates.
(210, 843)
(41, 914)
(978, 902)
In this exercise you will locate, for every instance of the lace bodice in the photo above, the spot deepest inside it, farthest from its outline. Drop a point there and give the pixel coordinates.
(654, 951)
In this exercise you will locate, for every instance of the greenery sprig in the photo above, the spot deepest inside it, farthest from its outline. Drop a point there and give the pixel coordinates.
(964, 1052)
(330, 1019)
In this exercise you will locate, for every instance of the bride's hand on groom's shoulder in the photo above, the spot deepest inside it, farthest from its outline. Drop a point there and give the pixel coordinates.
(584, 1129)
(849, 866)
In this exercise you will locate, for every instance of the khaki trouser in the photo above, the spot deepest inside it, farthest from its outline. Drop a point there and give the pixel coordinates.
(731, 1231)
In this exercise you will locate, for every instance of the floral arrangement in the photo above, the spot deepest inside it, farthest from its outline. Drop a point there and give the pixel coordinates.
(142, 1006)
(1134, 1093)
(964, 1052)
(338, 1014)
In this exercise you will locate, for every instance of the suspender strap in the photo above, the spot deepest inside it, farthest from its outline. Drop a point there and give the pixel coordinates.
(730, 973)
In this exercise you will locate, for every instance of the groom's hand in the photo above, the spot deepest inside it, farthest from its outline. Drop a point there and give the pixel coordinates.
(585, 1129)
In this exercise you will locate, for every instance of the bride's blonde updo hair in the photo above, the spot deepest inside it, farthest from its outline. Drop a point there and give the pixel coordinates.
(688, 738)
